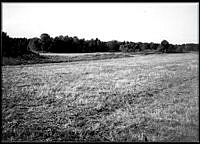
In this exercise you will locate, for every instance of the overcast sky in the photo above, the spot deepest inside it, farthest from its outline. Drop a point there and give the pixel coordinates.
(138, 22)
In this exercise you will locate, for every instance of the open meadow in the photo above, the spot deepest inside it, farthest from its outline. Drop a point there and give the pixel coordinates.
(75, 54)
(140, 98)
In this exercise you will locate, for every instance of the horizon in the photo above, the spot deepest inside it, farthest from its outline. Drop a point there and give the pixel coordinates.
(136, 22)
(102, 40)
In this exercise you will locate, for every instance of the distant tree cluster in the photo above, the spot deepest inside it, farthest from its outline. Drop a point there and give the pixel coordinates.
(13, 46)
(137, 47)
(65, 44)
(163, 47)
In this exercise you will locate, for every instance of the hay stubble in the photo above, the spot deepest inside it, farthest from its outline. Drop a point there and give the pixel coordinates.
(141, 98)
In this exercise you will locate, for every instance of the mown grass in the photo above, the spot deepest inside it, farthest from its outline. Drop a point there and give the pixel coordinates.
(141, 98)
(55, 58)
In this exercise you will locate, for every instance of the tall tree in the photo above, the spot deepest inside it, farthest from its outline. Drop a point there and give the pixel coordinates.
(34, 45)
(113, 46)
(45, 42)
(164, 46)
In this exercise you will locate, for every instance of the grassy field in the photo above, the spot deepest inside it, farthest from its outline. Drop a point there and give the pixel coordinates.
(76, 54)
(58, 58)
(141, 98)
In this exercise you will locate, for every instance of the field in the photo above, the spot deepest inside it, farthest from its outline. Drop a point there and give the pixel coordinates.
(140, 98)
(75, 54)
(60, 57)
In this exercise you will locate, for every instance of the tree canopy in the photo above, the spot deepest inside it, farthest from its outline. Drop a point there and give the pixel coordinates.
(66, 44)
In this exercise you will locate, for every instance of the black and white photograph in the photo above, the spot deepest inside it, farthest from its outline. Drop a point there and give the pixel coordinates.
(100, 72)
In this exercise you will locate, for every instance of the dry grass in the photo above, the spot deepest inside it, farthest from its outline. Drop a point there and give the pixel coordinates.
(62, 57)
(141, 98)
(76, 54)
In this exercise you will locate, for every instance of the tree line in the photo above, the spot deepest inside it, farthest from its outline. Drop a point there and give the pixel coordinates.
(65, 44)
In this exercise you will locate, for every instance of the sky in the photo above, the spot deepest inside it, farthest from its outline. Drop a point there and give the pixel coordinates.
(177, 23)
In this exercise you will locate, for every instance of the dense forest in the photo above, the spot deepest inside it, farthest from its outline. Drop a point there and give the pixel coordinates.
(13, 47)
